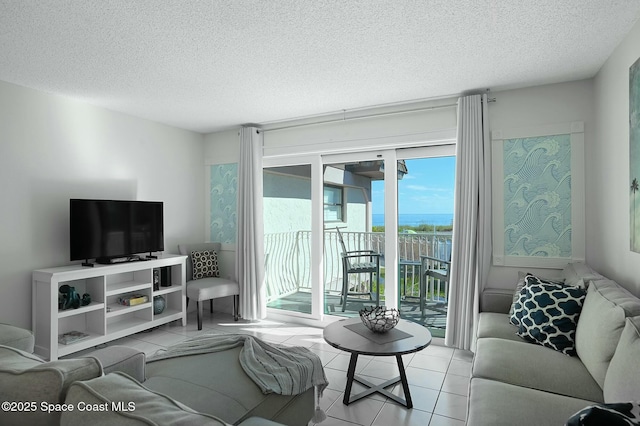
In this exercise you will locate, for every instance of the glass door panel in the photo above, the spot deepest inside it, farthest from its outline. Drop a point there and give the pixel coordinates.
(425, 224)
(353, 252)
(287, 237)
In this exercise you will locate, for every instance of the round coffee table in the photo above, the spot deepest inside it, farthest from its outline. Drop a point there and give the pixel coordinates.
(352, 336)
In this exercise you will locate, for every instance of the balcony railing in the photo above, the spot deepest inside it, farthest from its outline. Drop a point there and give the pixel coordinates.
(288, 260)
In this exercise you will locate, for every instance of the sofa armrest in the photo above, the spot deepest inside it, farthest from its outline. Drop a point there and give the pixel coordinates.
(16, 337)
(496, 300)
(121, 358)
(118, 399)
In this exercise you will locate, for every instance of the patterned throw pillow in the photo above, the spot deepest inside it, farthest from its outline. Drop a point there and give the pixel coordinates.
(205, 264)
(550, 316)
(515, 314)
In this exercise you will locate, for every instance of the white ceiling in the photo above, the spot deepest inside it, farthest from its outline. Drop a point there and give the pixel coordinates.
(207, 65)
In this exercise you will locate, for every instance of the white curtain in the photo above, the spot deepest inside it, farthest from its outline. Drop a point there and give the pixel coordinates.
(471, 246)
(250, 245)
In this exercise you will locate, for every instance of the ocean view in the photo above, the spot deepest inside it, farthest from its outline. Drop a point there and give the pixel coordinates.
(417, 219)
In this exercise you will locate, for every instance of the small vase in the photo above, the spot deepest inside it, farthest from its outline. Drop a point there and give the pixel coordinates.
(158, 304)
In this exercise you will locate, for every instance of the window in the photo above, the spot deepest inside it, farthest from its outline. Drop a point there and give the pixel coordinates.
(333, 204)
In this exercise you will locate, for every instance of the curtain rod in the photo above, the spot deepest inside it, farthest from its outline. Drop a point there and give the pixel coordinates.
(381, 114)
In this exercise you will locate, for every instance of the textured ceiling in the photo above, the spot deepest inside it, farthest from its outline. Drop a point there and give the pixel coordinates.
(209, 65)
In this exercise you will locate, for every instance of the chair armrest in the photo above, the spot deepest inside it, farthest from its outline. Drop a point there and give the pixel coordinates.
(367, 252)
(121, 358)
(435, 259)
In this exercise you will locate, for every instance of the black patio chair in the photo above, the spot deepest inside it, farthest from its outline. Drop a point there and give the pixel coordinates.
(359, 262)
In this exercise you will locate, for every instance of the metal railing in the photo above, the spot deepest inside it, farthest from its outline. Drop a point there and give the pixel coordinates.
(288, 260)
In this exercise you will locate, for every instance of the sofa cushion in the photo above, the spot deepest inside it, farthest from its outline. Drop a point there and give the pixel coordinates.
(127, 403)
(578, 274)
(26, 378)
(211, 288)
(550, 316)
(622, 382)
(491, 324)
(493, 403)
(215, 383)
(601, 323)
(205, 264)
(534, 366)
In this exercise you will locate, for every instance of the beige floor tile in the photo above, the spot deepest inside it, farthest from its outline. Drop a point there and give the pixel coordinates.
(437, 420)
(159, 337)
(456, 384)
(393, 414)
(423, 399)
(362, 412)
(460, 368)
(436, 350)
(430, 362)
(425, 378)
(462, 355)
(380, 369)
(451, 405)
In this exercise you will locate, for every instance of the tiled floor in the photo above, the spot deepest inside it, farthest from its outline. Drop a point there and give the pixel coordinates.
(438, 376)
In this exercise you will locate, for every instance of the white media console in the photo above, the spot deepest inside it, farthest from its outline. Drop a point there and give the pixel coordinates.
(104, 319)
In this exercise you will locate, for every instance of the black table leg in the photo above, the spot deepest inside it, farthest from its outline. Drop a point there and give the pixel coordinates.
(403, 380)
(350, 375)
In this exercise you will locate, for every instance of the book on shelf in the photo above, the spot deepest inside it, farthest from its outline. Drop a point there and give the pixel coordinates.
(71, 337)
(133, 300)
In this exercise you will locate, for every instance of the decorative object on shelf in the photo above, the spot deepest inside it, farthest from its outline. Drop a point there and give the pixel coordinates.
(71, 337)
(86, 299)
(156, 279)
(70, 298)
(133, 299)
(379, 319)
(158, 305)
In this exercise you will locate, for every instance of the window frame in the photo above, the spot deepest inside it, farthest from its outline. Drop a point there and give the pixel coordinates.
(342, 216)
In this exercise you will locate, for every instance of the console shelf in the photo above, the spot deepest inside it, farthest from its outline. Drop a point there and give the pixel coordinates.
(103, 319)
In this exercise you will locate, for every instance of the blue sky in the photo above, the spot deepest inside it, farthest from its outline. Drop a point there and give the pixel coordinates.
(426, 189)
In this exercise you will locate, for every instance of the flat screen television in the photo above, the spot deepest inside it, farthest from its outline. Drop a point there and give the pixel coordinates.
(114, 229)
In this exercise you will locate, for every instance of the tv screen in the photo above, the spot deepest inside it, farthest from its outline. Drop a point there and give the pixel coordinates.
(104, 229)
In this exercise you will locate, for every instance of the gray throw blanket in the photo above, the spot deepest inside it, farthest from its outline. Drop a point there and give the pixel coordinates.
(275, 369)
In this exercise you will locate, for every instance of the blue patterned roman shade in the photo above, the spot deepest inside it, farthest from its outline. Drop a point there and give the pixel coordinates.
(538, 196)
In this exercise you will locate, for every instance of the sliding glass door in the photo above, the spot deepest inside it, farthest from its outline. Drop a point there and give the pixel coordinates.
(287, 237)
(425, 225)
(347, 231)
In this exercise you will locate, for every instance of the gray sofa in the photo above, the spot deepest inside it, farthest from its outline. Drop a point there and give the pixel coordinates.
(515, 382)
(204, 389)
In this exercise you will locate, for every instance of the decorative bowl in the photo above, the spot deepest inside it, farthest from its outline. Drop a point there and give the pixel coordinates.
(379, 319)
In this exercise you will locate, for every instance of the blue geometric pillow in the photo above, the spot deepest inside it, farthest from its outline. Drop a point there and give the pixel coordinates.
(550, 316)
(518, 304)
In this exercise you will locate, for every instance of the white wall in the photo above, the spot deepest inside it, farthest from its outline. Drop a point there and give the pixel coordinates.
(53, 149)
(555, 103)
(608, 181)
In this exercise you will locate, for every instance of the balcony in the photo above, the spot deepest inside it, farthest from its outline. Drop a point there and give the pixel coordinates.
(288, 274)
